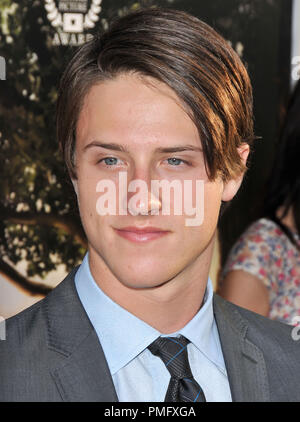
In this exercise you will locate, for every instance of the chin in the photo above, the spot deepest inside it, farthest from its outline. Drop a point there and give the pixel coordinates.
(143, 279)
(139, 284)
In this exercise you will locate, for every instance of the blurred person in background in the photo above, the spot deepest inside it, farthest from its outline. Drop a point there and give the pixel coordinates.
(262, 271)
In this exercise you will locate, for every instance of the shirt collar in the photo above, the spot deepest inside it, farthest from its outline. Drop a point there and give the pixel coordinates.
(118, 329)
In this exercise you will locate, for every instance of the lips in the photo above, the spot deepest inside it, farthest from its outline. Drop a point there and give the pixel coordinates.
(141, 235)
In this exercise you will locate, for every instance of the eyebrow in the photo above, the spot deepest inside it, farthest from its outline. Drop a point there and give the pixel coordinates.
(111, 146)
(180, 148)
(118, 147)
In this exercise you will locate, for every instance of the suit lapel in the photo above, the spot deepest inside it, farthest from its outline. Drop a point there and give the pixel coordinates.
(85, 376)
(79, 368)
(244, 361)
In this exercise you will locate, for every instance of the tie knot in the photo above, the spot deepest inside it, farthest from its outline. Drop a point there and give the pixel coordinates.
(173, 352)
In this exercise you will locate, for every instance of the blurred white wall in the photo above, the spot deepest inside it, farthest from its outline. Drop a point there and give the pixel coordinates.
(13, 299)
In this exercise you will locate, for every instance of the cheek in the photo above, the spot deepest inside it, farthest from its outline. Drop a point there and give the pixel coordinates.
(87, 197)
(206, 202)
(212, 201)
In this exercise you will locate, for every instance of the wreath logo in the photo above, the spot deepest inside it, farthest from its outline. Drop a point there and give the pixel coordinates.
(72, 18)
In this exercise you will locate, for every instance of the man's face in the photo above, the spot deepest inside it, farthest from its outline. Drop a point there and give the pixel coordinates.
(132, 126)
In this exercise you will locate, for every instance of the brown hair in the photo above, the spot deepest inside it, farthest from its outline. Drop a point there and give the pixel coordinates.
(188, 56)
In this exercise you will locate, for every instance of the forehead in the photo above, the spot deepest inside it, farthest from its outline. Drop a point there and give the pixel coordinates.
(136, 111)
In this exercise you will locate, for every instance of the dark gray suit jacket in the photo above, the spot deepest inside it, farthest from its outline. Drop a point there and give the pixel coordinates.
(52, 353)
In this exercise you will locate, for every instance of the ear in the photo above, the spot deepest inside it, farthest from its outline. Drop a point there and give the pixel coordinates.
(232, 186)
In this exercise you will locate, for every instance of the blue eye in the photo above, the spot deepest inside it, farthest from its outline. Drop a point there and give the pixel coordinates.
(175, 161)
(110, 161)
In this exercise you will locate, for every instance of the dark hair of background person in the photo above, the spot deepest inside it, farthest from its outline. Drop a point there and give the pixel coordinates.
(283, 186)
(184, 53)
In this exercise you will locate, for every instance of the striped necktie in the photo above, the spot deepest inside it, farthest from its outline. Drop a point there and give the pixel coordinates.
(173, 352)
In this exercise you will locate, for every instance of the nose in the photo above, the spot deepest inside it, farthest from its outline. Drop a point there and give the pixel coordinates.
(141, 200)
(144, 203)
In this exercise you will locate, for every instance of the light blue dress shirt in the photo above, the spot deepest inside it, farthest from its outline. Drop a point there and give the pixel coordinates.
(138, 375)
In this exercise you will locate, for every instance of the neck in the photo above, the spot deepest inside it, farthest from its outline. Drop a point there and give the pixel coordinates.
(158, 306)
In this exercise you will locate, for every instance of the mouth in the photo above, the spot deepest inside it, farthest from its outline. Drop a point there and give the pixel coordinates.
(141, 235)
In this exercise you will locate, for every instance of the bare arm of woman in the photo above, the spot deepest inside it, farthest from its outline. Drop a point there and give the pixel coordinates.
(245, 290)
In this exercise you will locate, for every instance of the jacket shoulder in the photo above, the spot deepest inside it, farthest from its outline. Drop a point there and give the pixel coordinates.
(279, 342)
(25, 355)
(255, 323)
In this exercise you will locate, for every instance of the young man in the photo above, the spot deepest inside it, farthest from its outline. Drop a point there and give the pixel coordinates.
(159, 97)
